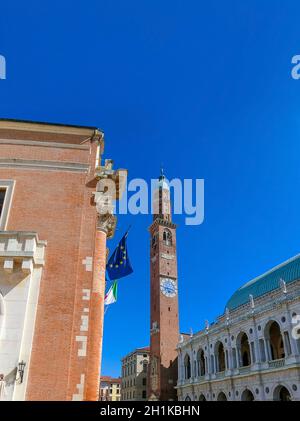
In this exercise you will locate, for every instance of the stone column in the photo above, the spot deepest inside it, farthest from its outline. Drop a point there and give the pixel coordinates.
(96, 317)
(109, 189)
(193, 374)
(251, 353)
(208, 368)
(256, 346)
(229, 349)
(216, 363)
(268, 349)
(293, 341)
(238, 356)
(182, 369)
(106, 223)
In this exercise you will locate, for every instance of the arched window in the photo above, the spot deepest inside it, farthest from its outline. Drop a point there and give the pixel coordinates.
(202, 398)
(201, 370)
(247, 395)
(275, 340)
(222, 397)
(281, 393)
(167, 238)
(243, 350)
(188, 399)
(187, 367)
(220, 354)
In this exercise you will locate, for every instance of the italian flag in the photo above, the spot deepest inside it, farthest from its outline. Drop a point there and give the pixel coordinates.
(111, 295)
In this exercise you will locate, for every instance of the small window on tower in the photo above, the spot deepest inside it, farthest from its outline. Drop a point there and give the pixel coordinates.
(167, 238)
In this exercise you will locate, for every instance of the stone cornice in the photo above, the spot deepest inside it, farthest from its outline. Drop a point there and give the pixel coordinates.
(40, 127)
(162, 222)
(39, 144)
(31, 164)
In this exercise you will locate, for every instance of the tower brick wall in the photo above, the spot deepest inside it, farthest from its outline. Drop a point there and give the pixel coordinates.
(164, 327)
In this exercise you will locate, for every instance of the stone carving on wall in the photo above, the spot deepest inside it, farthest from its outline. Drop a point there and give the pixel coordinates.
(6, 382)
(107, 223)
(110, 186)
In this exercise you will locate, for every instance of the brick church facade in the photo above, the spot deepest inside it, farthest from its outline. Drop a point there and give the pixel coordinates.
(54, 223)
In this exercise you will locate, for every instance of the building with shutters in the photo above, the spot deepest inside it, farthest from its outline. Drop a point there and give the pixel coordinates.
(134, 375)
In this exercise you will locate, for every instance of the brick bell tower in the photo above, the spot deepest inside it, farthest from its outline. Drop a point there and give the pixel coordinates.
(164, 328)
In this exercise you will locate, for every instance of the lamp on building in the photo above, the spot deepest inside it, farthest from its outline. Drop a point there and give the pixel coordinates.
(21, 368)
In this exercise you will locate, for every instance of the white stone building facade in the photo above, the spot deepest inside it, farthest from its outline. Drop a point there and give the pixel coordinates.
(134, 375)
(252, 351)
(21, 267)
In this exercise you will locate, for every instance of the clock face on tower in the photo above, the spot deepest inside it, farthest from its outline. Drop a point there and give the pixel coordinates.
(168, 287)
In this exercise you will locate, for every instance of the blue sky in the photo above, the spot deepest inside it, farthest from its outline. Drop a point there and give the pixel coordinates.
(205, 88)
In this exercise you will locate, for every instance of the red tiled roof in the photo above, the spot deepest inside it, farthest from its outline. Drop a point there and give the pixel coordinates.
(146, 348)
(110, 379)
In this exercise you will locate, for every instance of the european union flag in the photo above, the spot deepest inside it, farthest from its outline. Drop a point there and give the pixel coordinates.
(119, 264)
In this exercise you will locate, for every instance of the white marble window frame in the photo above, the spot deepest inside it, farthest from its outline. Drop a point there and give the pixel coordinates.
(8, 186)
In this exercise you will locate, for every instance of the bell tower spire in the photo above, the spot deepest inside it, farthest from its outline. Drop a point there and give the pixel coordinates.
(164, 328)
(161, 171)
(161, 199)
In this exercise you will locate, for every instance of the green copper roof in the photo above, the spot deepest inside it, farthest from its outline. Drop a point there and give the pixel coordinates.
(289, 271)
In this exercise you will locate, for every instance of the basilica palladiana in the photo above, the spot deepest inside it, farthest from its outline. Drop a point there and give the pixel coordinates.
(252, 351)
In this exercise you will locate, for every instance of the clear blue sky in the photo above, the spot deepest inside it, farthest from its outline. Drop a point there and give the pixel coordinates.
(204, 87)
